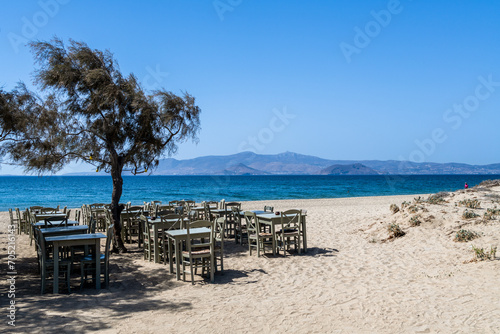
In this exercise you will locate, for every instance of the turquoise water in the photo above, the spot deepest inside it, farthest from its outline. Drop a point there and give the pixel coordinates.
(73, 191)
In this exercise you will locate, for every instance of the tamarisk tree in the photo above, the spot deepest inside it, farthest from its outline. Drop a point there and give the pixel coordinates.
(90, 112)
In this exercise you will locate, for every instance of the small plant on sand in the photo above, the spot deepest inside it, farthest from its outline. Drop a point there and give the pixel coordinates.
(437, 198)
(418, 199)
(491, 214)
(395, 231)
(394, 208)
(405, 204)
(415, 221)
(469, 214)
(482, 255)
(470, 203)
(465, 235)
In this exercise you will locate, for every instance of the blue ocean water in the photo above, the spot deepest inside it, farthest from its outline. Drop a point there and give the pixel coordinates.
(73, 191)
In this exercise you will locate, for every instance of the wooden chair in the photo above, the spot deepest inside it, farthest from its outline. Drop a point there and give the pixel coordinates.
(269, 208)
(49, 222)
(131, 223)
(35, 209)
(231, 218)
(219, 228)
(198, 252)
(170, 222)
(240, 226)
(257, 237)
(147, 239)
(87, 264)
(290, 233)
(46, 263)
(23, 222)
(15, 221)
(49, 210)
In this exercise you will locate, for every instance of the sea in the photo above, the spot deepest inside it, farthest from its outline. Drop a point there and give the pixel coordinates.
(73, 191)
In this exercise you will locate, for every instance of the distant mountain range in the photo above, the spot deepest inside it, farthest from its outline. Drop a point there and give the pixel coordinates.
(289, 163)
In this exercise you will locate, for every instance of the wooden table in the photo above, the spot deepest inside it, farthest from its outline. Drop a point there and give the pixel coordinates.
(175, 237)
(158, 225)
(272, 219)
(64, 230)
(77, 240)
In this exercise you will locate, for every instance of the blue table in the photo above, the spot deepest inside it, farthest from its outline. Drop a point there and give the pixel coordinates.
(77, 240)
(64, 230)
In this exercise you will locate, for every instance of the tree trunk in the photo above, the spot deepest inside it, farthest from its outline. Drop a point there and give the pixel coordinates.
(116, 208)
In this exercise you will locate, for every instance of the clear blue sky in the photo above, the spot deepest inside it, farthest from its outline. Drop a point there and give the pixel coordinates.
(403, 80)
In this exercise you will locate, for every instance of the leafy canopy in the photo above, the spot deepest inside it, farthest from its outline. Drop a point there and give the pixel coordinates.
(92, 113)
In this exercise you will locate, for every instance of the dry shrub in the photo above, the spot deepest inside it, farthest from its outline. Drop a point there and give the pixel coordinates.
(394, 208)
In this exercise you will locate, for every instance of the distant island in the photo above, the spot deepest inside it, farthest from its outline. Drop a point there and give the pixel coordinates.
(289, 163)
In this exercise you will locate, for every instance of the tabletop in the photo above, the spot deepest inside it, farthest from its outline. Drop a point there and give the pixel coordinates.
(64, 229)
(89, 236)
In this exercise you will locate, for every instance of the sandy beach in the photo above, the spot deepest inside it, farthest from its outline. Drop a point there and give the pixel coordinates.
(353, 279)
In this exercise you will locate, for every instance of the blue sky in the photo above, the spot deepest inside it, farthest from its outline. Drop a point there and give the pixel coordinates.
(402, 80)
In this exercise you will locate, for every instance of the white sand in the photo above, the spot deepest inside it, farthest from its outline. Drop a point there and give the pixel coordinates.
(348, 282)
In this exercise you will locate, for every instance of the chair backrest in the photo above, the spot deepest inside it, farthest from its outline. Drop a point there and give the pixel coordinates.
(64, 209)
(229, 212)
(291, 219)
(208, 212)
(146, 232)
(48, 210)
(198, 242)
(78, 215)
(109, 238)
(172, 221)
(219, 228)
(68, 212)
(50, 220)
(91, 223)
(11, 215)
(35, 209)
(212, 204)
(251, 221)
(269, 208)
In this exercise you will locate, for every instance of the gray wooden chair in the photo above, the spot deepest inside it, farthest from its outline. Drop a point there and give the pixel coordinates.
(46, 263)
(219, 228)
(87, 264)
(170, 222)
(231, 218)
(15, 221)
(198, 252)
(258, 238)
(290, 233)
(269, 208)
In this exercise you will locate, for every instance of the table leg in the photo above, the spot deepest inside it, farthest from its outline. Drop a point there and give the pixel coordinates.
(55, 288)
(304, 238)
(155, 244)
(178, 260)
(170, 255)
(98, 263)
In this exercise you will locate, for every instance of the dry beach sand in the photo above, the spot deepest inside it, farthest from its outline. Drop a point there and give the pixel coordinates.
(353, 279)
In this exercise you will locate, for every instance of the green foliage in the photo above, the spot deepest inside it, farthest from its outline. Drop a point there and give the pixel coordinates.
(395, 231)
(394, 208)
(405, 204)
(491, 214)
(482, 255)
(437, 198)
(418, 199)
(469, 214)
(415, 221)
(465, 235)
(90, 112)
(470, 203)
